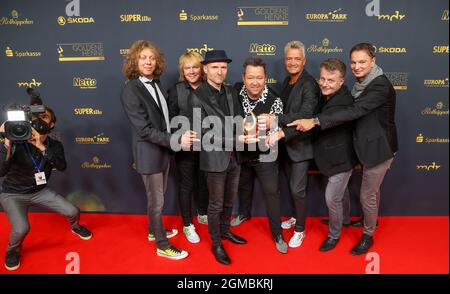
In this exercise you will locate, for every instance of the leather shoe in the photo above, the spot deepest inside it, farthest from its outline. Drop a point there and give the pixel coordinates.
(233, 238)
(326, 221)
(220, 255)
(328, 244)
(363, 246)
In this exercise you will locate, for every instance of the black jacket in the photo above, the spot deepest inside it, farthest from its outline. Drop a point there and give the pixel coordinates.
(150, 140)
(375, 134)
(333, 148)
(202, 99)
(301, 103)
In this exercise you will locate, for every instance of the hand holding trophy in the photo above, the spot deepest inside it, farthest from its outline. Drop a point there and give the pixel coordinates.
(250, 128)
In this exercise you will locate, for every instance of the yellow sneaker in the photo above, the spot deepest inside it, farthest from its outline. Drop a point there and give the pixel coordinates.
(172, 252)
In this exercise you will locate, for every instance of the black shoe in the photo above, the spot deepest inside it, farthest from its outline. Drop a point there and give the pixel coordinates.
(281, 245)
(328, 244)
(326, 221)
(220, 255)
(233, 238)
(12, 260)
(363, 246)
(82, 232)
(359, 223)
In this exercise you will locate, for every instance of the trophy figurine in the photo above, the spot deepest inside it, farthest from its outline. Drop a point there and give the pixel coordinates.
(251, 128)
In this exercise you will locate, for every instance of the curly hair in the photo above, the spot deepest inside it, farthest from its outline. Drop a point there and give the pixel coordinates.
(130, 65)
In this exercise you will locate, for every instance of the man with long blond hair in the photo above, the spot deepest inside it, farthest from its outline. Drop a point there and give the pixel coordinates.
(146, 108)
(192, 181)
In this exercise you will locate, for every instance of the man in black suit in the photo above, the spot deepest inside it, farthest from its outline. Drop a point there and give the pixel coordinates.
(213, 104)
(375, 134)
(300, 96)
(333, 148)
(146, 108)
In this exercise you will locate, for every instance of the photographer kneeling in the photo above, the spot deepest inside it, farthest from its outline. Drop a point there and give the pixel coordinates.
(26, 168)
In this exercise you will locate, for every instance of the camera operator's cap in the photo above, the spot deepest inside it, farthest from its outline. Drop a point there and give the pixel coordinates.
(216, 56)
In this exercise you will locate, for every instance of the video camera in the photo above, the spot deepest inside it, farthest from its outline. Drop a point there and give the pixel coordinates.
(20, 119)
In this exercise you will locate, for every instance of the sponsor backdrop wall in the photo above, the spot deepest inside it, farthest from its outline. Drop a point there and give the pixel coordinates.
(72, 53)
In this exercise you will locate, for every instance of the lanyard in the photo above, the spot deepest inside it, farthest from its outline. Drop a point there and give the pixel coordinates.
(36, 166)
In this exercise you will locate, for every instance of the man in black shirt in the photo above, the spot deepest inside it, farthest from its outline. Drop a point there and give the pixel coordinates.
(26, 168)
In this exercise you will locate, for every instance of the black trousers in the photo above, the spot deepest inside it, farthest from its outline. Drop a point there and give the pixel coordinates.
(267, 174)
(192, 185)
(223, 189)
(297, 174)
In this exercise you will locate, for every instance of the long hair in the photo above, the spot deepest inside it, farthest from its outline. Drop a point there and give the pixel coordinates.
(130, 65)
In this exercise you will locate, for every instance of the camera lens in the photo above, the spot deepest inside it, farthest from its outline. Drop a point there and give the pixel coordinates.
(19, 130)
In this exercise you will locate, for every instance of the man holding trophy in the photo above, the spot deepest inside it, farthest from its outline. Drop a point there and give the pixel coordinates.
(256, 99)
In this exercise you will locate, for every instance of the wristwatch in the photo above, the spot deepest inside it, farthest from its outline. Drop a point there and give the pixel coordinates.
(316, 121)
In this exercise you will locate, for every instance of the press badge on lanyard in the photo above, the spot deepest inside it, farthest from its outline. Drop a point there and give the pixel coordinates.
(40, 175)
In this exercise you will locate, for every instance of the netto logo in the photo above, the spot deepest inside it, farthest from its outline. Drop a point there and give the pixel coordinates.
(438, 110)
(87, 111)
(85, 83)
(14, 20)
(95, 164)
(398, 79)
(10, 53)
(262, 49)
(262, 16)
(428, 167)
(332, 16)
(34, 83)
(445, 15)
(324, 48)
(200, 50)
(184, 16)
(442, 83)
(392, 50)
(441, 49)
(97, 139)
(392, 17)
(74, 20)
(135, 18)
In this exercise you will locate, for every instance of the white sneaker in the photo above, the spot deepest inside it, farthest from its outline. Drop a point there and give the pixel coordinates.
(191, 234)
(202, 219)
(297, 239)
(287, 224)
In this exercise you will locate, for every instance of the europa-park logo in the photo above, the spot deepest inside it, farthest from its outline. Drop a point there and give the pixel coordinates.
(15, 20)
(436, 83)
(337, 15)
(95, 163)
(99, 139)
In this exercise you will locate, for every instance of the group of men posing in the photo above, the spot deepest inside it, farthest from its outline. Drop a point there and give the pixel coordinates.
(324, 121)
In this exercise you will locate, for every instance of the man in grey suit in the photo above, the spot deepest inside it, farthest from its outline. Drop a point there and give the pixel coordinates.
(146, 108)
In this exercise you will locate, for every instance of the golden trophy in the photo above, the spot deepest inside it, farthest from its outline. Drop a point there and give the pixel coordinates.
(251, 128)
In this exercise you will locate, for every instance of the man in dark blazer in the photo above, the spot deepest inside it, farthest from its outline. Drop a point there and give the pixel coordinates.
(375, 135)
(333, 148)
(214, 103)
(146, 108)
(301, 95)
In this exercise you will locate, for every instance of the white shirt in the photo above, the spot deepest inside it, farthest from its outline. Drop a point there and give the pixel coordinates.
(151, 90)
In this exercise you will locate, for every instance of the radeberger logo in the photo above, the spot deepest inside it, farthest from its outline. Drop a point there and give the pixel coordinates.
(440, 49)
(324, 48)
(262, 16)
(85, 83)
(262, 49)
(74, 20)
(11, 53)
(332, 16)
(95, 164)
(428, 167)
(80, 51)
(184, 16)
(33, 84)
(421, 139)
(397, 16)
(14, 20)
(442, 83)
(87, 111)
(398, 79)
(200, 50)
(135, 18)
(391, 50)
(98, 139)
(445, 15)
(437, 110)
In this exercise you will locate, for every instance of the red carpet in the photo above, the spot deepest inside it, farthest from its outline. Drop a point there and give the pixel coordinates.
(119, 245)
